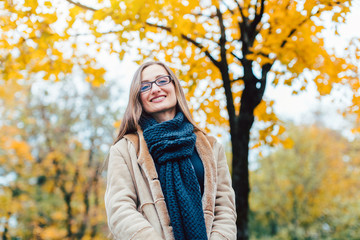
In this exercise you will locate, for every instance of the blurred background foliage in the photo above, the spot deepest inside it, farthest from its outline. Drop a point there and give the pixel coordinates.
(52, 147)
(309, 191)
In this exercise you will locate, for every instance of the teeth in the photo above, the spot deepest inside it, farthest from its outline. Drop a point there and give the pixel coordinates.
(158, 98)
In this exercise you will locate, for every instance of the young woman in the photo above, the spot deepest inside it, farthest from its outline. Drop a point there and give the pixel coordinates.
(166, 178)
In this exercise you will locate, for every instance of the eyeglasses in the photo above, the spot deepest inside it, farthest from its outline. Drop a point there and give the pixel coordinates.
(160, 81)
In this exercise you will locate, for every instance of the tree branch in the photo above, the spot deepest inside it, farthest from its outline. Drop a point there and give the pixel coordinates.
(240, 59)
(222, 40)
(159, 26)
(258, 17)
(207, 53)
(241, 12)
(224, 70)
(90, 34)
(236, 79)
(203, 15)
(244, 35)
(264, 71)
(256, 6)
(297, 28)
(227, 6)
(82, 6)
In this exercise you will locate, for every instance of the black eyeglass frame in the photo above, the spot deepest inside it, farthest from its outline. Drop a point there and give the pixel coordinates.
(155, 81)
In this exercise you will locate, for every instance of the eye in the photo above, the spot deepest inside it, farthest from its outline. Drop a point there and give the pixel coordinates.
(162, 80)
(145, 87)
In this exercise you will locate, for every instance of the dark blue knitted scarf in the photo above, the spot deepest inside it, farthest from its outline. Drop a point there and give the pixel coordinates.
(171, 145)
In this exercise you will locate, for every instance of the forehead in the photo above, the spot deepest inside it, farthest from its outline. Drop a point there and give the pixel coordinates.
(152, 71)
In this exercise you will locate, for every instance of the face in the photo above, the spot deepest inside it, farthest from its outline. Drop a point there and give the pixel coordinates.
(159, 101)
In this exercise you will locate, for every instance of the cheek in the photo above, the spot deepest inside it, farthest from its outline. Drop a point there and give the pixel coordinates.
(143, 102)
(173, 95)
(142, 99)
(173, 99)
(171, 91)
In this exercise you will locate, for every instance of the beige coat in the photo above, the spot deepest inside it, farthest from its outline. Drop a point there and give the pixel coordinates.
(134, 201)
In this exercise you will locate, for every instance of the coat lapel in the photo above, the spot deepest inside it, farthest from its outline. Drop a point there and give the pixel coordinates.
(204, 148)
(149, 174)
(144, 158)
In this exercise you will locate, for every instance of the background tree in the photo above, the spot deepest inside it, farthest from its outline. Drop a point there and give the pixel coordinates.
(52, 151)
(308, 191)
(228, 49)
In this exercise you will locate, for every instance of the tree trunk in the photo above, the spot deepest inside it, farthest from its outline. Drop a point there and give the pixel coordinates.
(6, 229)
(240, 174)
(240, 126)
(240, 137)
(69, 217)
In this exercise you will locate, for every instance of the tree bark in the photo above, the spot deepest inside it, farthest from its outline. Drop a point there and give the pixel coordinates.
(6, 229)
(240, 173)
(69, 217)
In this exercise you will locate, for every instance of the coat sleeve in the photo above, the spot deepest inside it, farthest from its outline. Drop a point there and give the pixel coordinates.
(124, 220)
(224, 225)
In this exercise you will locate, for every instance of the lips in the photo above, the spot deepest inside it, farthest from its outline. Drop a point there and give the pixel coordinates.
(158, 98)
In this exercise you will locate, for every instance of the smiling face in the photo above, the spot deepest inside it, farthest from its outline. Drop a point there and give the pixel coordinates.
(159, 101)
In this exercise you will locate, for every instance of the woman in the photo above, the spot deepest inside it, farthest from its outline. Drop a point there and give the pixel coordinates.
(166, 178)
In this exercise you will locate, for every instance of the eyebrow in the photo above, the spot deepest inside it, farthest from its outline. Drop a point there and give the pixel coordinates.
(161, 75)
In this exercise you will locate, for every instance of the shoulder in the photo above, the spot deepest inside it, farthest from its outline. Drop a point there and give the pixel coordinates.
(208, 139)
(215, 144)
(212, 140)
(120, 144)
(128, 141)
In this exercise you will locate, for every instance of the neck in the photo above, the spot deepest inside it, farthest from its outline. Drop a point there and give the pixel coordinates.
(164, 116)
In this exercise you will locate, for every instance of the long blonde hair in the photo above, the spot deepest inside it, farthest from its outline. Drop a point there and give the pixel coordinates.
(134, 110)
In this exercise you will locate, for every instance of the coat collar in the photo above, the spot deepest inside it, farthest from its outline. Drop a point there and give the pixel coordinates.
(144, 158)
(205, 150)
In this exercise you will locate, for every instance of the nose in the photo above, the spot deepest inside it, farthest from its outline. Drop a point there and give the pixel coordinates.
(155, 88)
